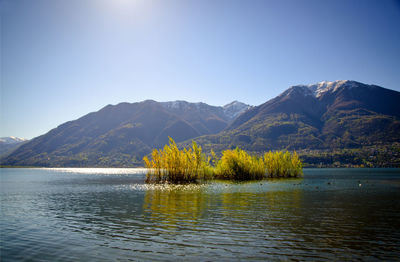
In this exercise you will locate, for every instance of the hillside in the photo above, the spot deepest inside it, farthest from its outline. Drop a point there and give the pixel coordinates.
(120, 135)
(328, 116)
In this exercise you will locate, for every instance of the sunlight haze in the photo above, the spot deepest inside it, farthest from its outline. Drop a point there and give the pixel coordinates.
(63, 59)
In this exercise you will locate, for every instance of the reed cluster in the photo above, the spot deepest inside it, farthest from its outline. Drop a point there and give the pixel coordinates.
(177, 166)
(191, 165)
(283, 164)
(239, 165)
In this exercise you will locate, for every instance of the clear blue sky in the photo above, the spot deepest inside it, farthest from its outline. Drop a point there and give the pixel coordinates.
(63, 59)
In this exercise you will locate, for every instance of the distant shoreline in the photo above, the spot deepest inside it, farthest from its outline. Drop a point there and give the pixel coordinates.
(308, 167)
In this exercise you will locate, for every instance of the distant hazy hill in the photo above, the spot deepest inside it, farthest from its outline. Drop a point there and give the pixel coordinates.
(8, 144)
(119, 135)
(327, 115)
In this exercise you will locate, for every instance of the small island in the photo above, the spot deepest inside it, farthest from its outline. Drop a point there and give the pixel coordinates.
(172, 165)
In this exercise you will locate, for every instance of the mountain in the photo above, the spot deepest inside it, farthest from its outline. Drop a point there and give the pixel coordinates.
(340, 123)
(235, 108)
(8, 144)
(119, 135)
(324, 116)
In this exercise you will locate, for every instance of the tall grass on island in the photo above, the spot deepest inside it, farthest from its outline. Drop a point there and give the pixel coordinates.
(283, 164)
(178, 166)
(239, 165)
(191, 165)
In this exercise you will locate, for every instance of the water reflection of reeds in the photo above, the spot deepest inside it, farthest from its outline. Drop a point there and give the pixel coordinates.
(174, 206)
(169, 206)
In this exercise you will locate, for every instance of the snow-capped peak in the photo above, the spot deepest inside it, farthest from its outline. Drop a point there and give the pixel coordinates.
(11, 140)
(235, 108)
(323, 87)
(326, 86)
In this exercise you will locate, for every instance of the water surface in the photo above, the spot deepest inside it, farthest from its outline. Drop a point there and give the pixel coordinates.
(110, 214)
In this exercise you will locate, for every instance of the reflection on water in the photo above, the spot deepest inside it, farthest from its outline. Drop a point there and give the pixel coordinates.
(97, 170)
(171, 205)
(100, 215)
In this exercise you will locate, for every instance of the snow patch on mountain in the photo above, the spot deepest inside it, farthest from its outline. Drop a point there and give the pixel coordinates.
(235, 108)
(11, 140)
(180, 104)
(231, 110)
(321, 88)
(326, 86)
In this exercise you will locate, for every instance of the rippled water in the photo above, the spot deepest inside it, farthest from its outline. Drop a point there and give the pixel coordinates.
(110, 214)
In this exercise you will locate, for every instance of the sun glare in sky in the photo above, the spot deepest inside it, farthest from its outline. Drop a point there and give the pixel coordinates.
(72, 57)
(123, 6)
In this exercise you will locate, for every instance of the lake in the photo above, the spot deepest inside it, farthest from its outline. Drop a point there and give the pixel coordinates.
(111, 214)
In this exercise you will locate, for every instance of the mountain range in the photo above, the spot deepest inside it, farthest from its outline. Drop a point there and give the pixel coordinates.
(345, 122)
(120, 135)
